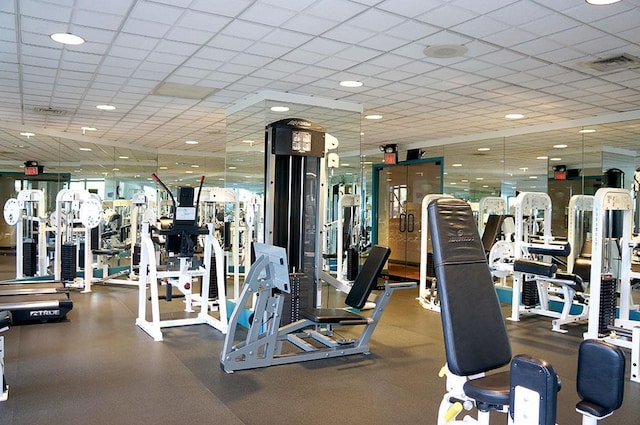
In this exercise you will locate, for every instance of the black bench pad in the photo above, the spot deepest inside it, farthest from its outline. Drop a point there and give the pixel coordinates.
(332, 315)
(491, 389)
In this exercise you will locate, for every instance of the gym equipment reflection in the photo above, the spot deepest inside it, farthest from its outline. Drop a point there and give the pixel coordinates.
(398, 192)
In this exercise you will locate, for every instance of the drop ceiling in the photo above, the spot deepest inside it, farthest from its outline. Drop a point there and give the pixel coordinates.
(525, 56)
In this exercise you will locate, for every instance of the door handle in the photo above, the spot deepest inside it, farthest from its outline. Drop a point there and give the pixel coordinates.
(411, 223)
(403, 223)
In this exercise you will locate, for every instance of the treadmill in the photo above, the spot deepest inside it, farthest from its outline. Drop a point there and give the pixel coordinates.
(35, 301)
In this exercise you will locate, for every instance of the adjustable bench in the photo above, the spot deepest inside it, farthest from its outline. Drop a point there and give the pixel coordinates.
(310, 338)
(477, 345)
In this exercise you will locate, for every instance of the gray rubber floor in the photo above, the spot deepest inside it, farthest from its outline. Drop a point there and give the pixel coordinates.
(99, 368)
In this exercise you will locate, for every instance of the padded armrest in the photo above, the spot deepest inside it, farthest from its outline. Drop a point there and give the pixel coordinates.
(535, 267)
(572, 280)
(600, 380)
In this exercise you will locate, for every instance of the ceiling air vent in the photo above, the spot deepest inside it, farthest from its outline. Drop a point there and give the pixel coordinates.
(614, 63)
(49, 111)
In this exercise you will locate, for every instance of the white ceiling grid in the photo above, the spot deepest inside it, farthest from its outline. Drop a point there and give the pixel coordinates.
(523, 55)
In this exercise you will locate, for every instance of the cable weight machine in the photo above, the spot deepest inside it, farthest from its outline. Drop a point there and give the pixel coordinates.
(27, 213)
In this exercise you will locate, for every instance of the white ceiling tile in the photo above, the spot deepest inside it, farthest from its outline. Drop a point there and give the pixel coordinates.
(327, 9)
(549, 25)
(409, 9)
(283, 37)
(267, 14)
(145, 28)
(225, 8)
(336, 63)
(510, 37)
(155, 12)
(446, 16)
(358, 54)
(480, 27)
(45, 11)
(188, 35)
(349, 34)
(411, 30)
(308, 24)
(255, 61)
(375, 20)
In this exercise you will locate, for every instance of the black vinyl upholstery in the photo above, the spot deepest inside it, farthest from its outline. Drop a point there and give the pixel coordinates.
(366, 281)
(475, 335)
(492, 230)
(539, 376)
(600, 379)
(367, 278)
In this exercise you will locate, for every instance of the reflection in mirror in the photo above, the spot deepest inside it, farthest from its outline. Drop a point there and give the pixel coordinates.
(474, 170)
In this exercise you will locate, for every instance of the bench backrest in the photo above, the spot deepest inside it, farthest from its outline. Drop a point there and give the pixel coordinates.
(367, 278)
(475, 336)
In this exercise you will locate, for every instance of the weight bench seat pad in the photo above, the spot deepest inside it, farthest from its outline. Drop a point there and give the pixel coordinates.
(491, 389)
(535, 267)
(333, 315)
(600, 377)
(366, 281)
(475, 336)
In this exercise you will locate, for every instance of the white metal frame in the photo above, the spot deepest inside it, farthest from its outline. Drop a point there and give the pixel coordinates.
(70, 201)
(181, 279)
(218, 195)
(577, 204)
(613, 199)
(490, 205)
(26, 197)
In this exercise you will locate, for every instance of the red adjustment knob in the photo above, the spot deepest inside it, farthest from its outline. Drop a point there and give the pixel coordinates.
(187, 285)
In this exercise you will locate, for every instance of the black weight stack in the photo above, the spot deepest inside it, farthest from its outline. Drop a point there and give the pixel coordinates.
(213, 278)
(68, 260)
(29, 257)
(352, 264)
(530, 293)
(607, 304)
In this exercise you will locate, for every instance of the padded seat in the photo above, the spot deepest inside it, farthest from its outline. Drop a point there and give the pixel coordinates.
(491, 392)
(572, 280)
(333, 315)
(366, 281)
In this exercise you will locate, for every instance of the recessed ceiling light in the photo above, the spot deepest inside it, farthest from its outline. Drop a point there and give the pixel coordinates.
(88, 128)
(188, 172)
(123, 157)
(444, 51)
(164, 167)
(191, 142)
(587, 130)
(195, 166)
(85, 149)
(555, 159)
(483, 149)
(514, 116)
(66, 38)
(233, 168)
(279, 108)
(362, 133)
(533, 177)
(542, 157)
(351, 83)
(27, 134)
(106, 107)
(248, 141)
(601, 2)
(115, 169)
(464, 181)
(373, 117)
(456, 165)
(453, 183)
(560, 146)
(479, 178)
